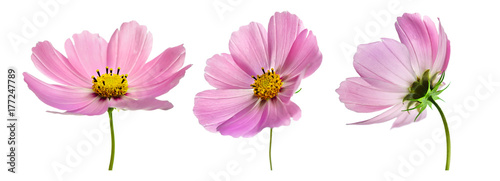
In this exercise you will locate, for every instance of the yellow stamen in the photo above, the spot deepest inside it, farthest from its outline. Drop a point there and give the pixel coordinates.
(267, 85)
(110, 85)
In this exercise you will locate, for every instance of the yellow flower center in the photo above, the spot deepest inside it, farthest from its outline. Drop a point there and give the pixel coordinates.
(267, 85)
(110, 85)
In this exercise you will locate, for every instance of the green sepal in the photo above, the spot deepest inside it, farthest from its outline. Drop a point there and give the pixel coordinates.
(422, 90)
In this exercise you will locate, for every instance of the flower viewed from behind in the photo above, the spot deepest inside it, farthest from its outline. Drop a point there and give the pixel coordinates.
(99, 76)
(403, 78)
(255, 82)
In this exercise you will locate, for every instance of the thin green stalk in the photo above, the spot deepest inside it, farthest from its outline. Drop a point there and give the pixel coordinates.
(447, 132)
(270, 142)
(110, 110)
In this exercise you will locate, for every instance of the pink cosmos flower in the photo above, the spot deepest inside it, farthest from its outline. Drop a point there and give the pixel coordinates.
(98, 76)
(403, 78)
(255, 82)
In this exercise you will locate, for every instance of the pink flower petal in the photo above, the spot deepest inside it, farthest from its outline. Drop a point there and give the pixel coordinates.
(280, 113)
(384, 85)
(289, 87)
(283, 30)
(155, 89)
(127, 103)
(360, 96)
(365, 108)
(160, 68)
(87, 53)
(61, 97)
(433, 36)
(304, 56)
(275, 112)
(213, 107)
(129, 48)
(98, 106)
(293, 110)
(387, 60)
(243, 122)
(223, 73)
(389, 114)
(408, 117)
(249, 48)
(443, 54)
(53, 64)
(447, 57)
(414, 34)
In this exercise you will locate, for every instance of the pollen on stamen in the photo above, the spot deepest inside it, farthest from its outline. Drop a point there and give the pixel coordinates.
(110, 85)
(267, 85)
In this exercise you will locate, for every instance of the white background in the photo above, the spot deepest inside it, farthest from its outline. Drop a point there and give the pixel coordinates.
(171, 145)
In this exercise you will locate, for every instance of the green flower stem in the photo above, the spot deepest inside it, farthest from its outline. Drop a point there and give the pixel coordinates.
(447, 131)
(270, 141)
(110, 110)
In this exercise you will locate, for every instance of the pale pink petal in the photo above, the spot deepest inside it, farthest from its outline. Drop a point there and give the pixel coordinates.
(223, 73)
(384, 85)
(433, 36)
(304, 56)
(156, 88)
(283, 30)
(413, 33)
(242, 123)
(408, 117)
(87, 53)
(97, 107)
(365, 108)
(249, 48)
(160, 68)
(277, 113)
(293, 110)
(443, 54)
(387, 115)
(289, 87)
(447, 57)
(129, 48)
(127, 103)
(213, 107)
(61, 97)
(360, 96)
(280, 113)
(53, 64)
(387, 60)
